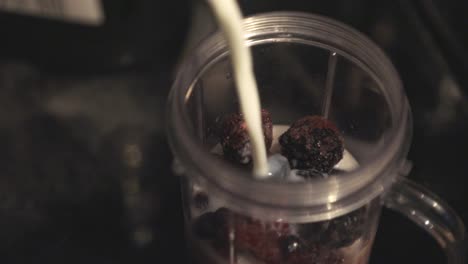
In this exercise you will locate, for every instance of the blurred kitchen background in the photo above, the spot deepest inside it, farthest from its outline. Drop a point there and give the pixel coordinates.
(85, 173)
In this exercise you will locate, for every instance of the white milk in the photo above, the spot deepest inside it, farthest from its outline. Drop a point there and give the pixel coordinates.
(229, 18)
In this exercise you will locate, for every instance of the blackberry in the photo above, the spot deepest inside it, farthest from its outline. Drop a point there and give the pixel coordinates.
(250, 235)
(201, 200)
(339, 232)
(314, 232)
(204, 226)
(265, 248)
(346, 229)
(211, 225)
(235, 140)
(312, 142)
(317, 258)
(259, 238)
(290, 244)
(311, 173)
(310, 254)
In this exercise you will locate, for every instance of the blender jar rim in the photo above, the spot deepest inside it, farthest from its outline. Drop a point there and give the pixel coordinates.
(320, 199)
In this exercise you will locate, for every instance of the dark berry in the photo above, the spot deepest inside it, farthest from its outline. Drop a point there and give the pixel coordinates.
(266, 248)
(201, 200)
(253, 236)
(222, 215)
(212, 225)
(204, 226)
(312, 142)
(331, 257)
(290, 244)
(259, 238)
(346, 229)
(314, 254)
(235, 140)
(311, 173)
(314, 232)
(339, 232)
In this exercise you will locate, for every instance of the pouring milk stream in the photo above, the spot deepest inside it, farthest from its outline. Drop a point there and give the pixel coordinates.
(229, 17)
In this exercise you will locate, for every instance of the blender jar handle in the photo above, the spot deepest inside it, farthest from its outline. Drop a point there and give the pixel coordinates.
(430, 213)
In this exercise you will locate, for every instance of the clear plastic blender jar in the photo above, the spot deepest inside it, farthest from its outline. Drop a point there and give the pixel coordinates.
(304, 65)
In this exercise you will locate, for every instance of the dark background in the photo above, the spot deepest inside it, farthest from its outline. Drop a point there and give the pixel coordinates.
(84, 165)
